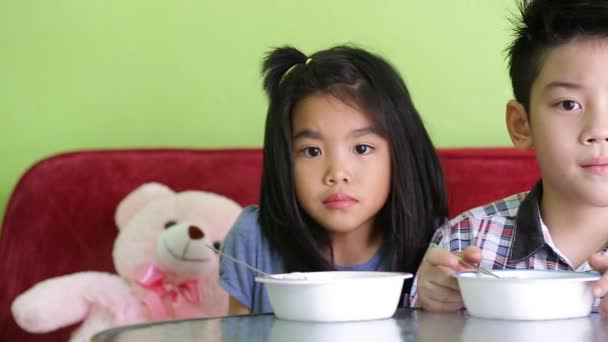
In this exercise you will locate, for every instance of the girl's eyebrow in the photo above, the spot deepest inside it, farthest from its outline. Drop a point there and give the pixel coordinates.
(310, 134)
(364, 131)
(307, 133)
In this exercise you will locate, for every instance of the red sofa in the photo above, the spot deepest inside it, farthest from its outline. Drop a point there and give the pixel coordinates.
(59, 219)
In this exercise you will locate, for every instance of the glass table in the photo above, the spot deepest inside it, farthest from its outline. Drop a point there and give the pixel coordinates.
(405, 325)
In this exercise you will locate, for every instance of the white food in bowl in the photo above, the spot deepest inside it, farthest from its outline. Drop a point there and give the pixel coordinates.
(335, 296)
(289, 276)
(528, 294)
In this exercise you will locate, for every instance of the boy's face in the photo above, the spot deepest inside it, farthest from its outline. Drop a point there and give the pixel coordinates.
(341, 165)
(568, 122)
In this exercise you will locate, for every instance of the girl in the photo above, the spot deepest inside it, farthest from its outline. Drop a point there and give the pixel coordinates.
(350, 178)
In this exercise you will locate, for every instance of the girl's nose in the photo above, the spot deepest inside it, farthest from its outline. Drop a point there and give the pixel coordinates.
(337, 176)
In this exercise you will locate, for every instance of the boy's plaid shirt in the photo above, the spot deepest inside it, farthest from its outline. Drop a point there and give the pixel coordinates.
(510, 233)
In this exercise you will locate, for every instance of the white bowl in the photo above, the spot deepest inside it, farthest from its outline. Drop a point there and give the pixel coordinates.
(334, 296)
(528, 294)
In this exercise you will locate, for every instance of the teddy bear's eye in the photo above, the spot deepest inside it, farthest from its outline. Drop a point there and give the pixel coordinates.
(169, 224)
(217, 245)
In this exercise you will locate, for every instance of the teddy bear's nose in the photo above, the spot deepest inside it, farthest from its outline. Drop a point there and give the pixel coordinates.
(195, 233)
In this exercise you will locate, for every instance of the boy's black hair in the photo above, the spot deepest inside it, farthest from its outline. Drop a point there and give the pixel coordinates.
(543, 25)
(417, 198)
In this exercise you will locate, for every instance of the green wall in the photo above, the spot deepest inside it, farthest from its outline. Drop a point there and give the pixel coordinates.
(88, 74)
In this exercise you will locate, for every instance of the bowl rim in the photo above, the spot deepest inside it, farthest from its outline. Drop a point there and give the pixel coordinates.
(376, 275)
(569, 276)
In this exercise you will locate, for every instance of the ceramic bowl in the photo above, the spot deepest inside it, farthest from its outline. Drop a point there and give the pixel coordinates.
(527, 294)
(334, 296)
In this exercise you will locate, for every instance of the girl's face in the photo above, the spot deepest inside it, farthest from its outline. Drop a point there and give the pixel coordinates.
(341, 165)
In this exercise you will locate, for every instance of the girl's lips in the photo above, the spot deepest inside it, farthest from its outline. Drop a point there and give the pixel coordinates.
(339, 201)
(599, 169)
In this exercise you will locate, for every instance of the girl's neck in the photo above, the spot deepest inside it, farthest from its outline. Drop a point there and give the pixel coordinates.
(355, 247)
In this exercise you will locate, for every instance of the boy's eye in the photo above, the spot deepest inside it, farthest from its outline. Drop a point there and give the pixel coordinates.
(363, 149)
(569, 105)
(312, 151)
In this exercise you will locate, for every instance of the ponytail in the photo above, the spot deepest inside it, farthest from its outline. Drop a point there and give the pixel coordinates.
(277, 64)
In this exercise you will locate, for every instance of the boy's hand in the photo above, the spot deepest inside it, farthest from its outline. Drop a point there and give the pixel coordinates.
(437, 288)
(600, 288)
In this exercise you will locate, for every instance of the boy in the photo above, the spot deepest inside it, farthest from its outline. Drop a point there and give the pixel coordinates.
(559, 71)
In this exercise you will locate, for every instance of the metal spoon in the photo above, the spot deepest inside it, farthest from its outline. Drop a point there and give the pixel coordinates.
(292, 276)
(478, 268)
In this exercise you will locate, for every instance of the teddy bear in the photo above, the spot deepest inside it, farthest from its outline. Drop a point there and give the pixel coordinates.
(166, 268)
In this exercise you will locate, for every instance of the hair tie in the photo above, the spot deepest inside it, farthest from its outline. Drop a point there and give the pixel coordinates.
(308, 60)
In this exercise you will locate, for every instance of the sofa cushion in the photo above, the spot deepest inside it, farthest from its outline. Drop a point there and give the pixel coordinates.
(59, 219)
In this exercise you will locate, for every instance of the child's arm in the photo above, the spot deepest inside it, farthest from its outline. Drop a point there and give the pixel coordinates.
(600, 289)
(437, 290)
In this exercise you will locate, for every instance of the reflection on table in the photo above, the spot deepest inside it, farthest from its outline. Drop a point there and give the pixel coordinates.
(405, 325)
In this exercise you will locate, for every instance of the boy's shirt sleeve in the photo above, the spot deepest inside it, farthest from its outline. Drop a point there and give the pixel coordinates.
(240, 242)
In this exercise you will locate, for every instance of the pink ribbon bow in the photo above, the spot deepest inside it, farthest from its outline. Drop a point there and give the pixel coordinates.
(163, 292)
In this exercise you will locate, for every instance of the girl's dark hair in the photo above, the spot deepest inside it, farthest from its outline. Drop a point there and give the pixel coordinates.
(541, 25)
(417, 198)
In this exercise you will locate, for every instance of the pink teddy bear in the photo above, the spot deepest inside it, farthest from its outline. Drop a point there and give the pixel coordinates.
(165, 267)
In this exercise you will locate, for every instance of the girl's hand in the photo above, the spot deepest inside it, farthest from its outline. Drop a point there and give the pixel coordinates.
(600, 288)
(437, 287)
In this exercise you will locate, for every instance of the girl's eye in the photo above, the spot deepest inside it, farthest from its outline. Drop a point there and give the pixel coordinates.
(569, 105)
(363, 149)
(312, 151)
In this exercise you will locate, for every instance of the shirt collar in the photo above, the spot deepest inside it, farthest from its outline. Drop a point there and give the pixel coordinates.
(528, 234)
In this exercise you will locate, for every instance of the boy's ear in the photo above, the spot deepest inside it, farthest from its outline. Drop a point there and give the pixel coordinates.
(518, 126)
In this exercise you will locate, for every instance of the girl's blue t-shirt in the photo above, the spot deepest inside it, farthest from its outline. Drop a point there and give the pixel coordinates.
(246, 242)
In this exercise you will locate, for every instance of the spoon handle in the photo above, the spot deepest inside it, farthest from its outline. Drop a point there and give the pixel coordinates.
(239, 261)
(464, 262)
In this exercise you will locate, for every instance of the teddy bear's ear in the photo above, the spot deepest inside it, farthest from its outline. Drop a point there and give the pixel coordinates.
(137, 199)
